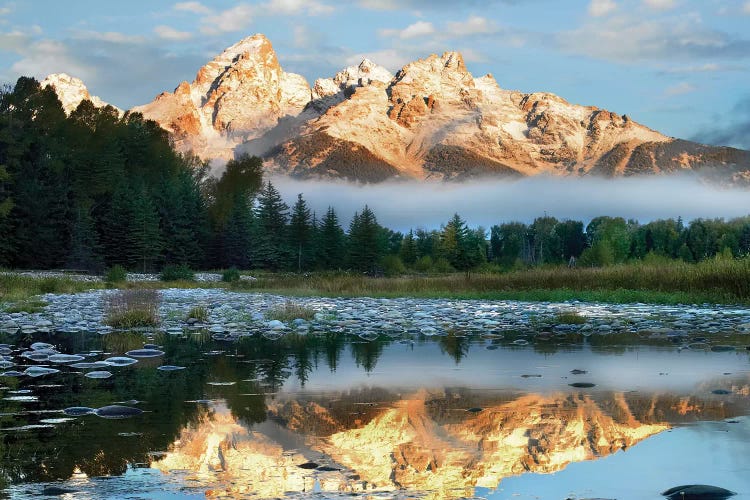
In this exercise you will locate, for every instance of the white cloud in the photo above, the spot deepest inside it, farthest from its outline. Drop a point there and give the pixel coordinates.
(240, 16)
(107, 36)
(14, 40)
(237, 18)
(50, 56)
(679, 89)
(416, 30)
(194, 7)
(599, 8)
(630, 39)
(474, 25)
(702, 68)
(169, 33)
(660, 4)
(310, 7)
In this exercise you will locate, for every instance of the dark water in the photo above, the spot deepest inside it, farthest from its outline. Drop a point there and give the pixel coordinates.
(333, 415)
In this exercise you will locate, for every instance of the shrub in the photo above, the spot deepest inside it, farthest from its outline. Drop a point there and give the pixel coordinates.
(569, 318)
(290, 311)
(116, 274)
(231, 275)
(424, 264)
(393, 265)
(173, 272)
(198, 312)
(442, 265)
(133, 309)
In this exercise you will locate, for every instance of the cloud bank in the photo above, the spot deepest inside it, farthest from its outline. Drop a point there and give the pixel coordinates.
(405, 205)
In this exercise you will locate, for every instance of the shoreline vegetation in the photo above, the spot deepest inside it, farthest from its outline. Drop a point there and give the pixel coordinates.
(716, 281)
(108, 194)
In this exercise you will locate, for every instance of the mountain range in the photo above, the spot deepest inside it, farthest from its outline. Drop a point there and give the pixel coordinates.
(431, 120)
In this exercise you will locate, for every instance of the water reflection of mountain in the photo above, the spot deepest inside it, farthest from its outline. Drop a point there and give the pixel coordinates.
(410, 429)
(425, 441)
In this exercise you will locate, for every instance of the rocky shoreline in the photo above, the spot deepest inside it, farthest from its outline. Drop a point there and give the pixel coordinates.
(231, 315)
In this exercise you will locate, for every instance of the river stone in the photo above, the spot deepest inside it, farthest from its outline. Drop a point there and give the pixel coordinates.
(697, 492)
(65, 358)
(170, 368)
(77, 411)
(39, 371)
(145, 353)
(120, 361)
(117, 412)
(37, 346)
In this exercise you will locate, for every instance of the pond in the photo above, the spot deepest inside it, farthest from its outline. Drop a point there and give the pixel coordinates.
(396, 413)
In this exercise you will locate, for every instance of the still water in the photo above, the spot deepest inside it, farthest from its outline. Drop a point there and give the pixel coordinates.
(335, 415)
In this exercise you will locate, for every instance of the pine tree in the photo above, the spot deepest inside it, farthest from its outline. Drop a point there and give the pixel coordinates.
(270, 250)
(144, 238)
(237, 236)
(84, 245)
(300, 235)
(408, 250)
(331, 244)
(366, 242)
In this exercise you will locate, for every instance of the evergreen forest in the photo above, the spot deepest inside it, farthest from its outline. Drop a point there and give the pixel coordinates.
(97, 189)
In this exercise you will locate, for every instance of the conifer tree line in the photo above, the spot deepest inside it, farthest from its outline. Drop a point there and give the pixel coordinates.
(96, 189)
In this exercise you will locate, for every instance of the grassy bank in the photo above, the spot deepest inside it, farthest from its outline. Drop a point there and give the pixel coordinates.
(712, 281)
(715, 281)
(15, 288)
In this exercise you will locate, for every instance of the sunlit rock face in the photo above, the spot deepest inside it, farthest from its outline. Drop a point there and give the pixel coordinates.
(71, 91)
(427, 442)
(237, 96)
(432, 119)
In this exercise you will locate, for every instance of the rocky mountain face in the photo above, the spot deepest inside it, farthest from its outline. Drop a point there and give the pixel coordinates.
(433, 119)
(239, 95)
(71, 91)
(424, 441)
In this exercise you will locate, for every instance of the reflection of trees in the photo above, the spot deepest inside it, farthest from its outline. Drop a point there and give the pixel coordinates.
(366, 354)
(457, 347)
(89, 443)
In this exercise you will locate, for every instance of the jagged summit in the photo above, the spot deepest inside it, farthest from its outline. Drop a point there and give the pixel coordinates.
(71, 91)
(432, 119)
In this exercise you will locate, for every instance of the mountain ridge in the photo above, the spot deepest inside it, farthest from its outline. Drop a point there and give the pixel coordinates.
(431, 120)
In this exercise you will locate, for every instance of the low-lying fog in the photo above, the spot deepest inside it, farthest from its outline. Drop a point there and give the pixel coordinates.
(402, 205)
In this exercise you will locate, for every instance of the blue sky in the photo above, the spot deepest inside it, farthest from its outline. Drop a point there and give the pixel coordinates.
(679, 66)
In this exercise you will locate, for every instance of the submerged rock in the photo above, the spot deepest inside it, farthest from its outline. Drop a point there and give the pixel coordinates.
(170, 368)
(120, 361)
(145, 353)
(308, 465)
(697, 492)
(65, 358)
(77, 411)
(53, 491)
(39, 371)
(117, 411)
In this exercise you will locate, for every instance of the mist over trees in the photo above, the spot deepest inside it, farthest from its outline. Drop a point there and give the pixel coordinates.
(95, 189)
